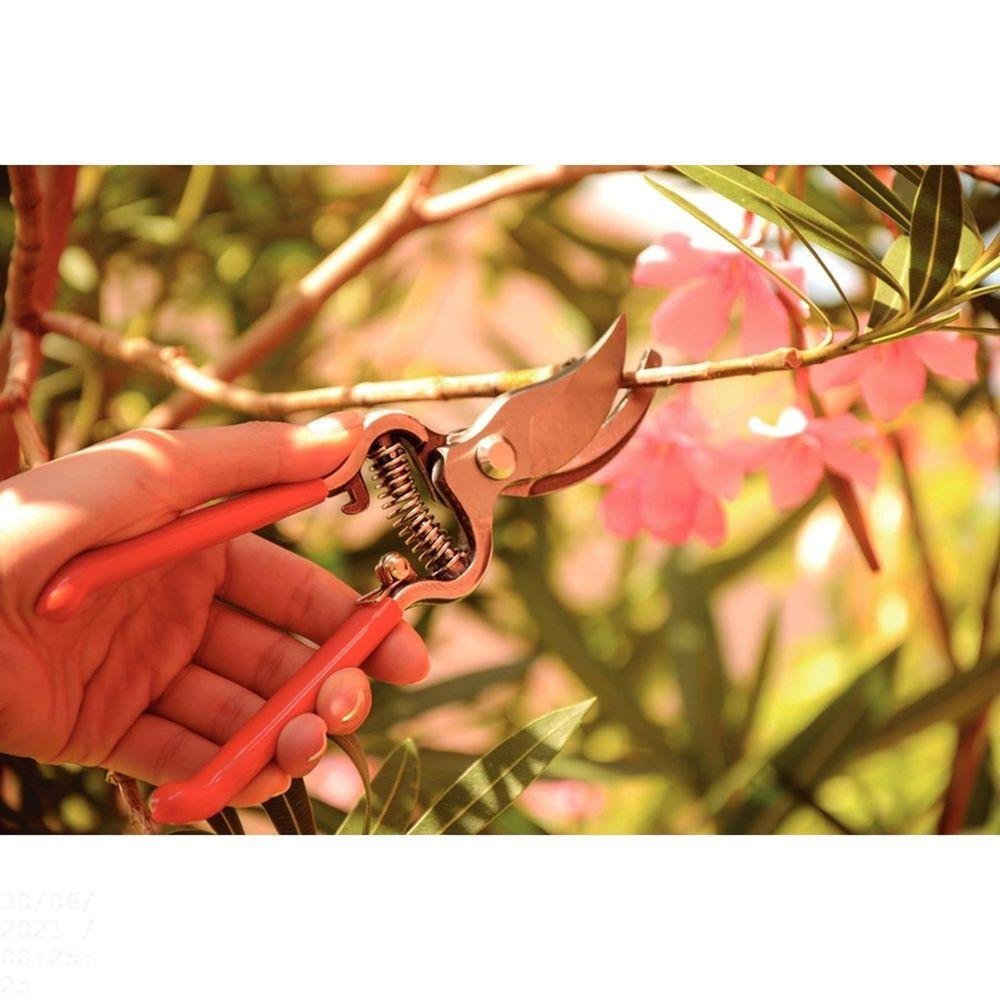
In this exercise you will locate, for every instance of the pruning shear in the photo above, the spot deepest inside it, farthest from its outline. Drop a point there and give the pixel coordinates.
(528, 442)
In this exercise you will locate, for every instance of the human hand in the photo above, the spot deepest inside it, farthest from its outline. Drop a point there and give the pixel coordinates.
(155, 674)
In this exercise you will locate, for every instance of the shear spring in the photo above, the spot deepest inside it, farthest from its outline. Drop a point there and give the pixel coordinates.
(418, 528)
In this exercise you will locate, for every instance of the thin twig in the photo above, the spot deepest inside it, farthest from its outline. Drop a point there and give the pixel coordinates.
(409, 207)
(33, 447)
(21, 310)
(172, 364)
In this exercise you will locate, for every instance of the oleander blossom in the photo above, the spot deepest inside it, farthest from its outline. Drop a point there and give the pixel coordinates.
(669, 478)
(797, 451)
(705, 286)
(889, 377)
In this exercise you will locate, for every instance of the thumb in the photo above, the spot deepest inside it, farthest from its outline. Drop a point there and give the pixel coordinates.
(142, 479)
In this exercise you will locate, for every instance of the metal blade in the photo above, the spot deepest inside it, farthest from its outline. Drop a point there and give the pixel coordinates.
(614, 434)
(550, 423)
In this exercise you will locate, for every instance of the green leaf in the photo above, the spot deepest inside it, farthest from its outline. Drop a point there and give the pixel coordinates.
(279, 812)
(937, 232)
(226, 822)
(692, 645)
(761, 675)
(913, 174)
(812, 754)
(864, 182)
(559, 630)
(887, 302)
(953, 700)
(970, 249)
(764, 199)
(356, 755)
(394, 794)
(855, 322)
(493, 782)
(707, 220)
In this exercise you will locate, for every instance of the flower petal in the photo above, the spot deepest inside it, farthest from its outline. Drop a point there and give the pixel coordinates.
(947, 354)
(667, 498)
(710, 520)
(672, 261)
(720, 470)
(851, 463)
(840, 371)
(765, 321)
(794, 470)
(694, 318)
(894, 380)
(620, 508)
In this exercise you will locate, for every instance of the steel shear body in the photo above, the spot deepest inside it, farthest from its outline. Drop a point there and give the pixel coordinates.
(528, 442)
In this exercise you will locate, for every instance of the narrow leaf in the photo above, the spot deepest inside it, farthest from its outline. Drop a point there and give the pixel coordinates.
(970, 249)
(493, 782)
(886, 301)
(855, 322)
(279, 812)
(301, 806)
(864, 182)
(953, 700)
(356, 755)
(913, 174)
(226, 822)
(394, 794)
(764, 199)
(814, 753)
(937, 232)
(762, 672)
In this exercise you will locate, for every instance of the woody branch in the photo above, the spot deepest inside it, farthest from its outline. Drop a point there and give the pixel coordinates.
(410, 207)
(171, 364)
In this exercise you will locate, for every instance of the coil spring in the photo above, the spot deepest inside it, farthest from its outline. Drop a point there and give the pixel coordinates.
(418, 528)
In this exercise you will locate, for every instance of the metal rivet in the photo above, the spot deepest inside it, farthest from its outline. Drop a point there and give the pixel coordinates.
(496, 457)
(393, 568)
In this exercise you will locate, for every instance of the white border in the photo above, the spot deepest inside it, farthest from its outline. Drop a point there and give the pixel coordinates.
(516, 917)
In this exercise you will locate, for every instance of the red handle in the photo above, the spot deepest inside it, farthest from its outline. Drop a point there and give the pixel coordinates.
(250, 749)
(201, 529)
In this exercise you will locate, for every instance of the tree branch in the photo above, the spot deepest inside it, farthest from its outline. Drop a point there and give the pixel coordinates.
(172, 364)
(409, 207)
(21, 312)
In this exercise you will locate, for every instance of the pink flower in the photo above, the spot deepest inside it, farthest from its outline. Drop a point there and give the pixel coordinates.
(668, 478)
(891, 376)
(799, 449)
(704, 286)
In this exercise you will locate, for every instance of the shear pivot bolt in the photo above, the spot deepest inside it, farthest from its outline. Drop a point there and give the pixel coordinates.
(496, 457)
(393, 568)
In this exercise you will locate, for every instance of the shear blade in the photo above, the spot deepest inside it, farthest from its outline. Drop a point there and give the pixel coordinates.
(551, 422)
(614, 434)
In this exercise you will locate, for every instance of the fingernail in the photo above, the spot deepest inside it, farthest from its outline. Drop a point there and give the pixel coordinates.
(342, 708)
(335, 423)
(317, 756)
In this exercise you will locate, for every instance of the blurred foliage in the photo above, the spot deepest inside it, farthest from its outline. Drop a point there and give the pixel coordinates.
(771, 685)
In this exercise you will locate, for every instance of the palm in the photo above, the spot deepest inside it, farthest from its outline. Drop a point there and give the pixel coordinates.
(155, 674)
(109, 666)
